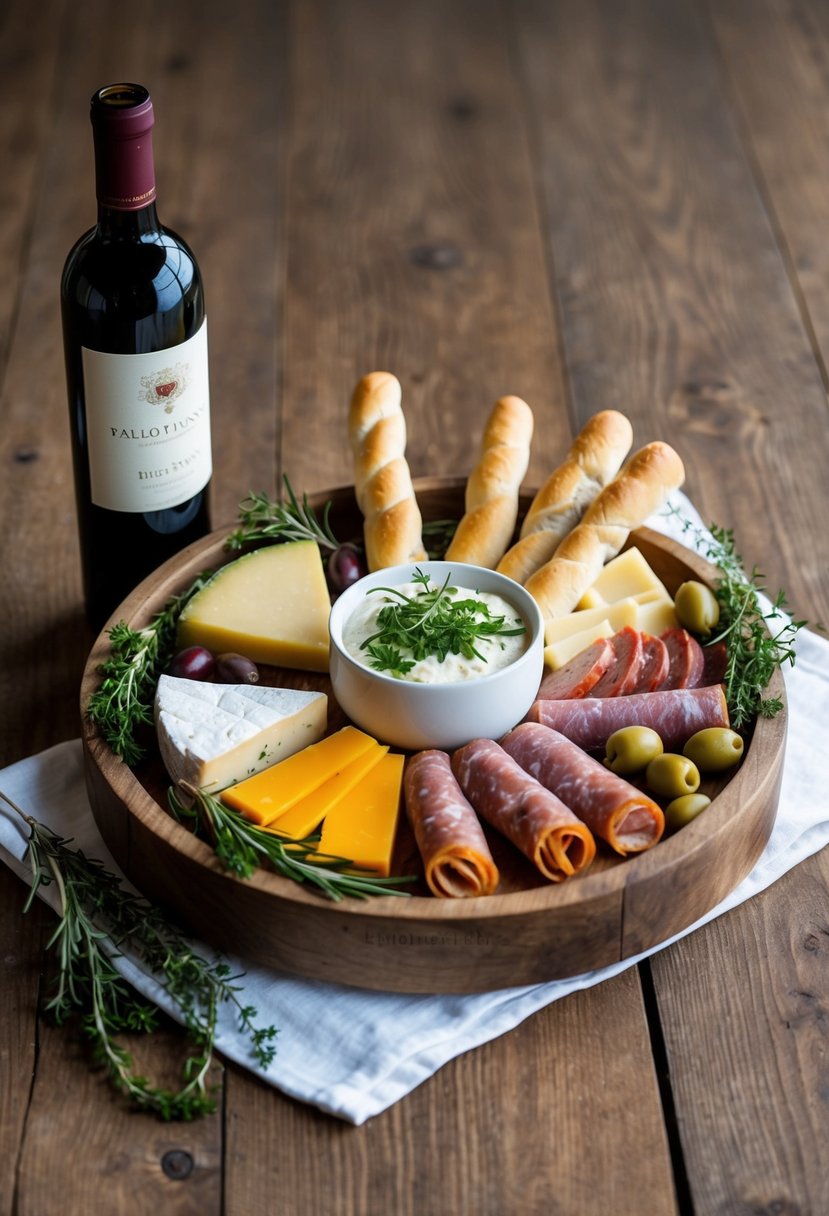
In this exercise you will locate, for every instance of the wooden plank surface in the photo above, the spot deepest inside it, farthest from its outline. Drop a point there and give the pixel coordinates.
(584, 203)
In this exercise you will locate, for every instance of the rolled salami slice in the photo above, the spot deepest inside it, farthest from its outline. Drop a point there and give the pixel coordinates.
(620, 678)
(534, 819)
(685, 657)
(675, 715)
(456, 857)
(611, 807)
(576, 678)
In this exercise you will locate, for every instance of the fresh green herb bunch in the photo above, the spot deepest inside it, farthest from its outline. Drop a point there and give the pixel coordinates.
(123, 702)
(288, 519)
(758, 641)
(432, 622)
(242, 846)
(97, 918)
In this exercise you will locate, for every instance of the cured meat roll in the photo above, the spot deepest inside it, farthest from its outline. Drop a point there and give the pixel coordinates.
(530, 816)
(614, 809)
(675, 715)
(456, 856)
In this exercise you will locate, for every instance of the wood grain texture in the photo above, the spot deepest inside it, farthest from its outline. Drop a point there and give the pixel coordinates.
(456, 1145)
(671, 287)
(408, 129)
(749, 1050)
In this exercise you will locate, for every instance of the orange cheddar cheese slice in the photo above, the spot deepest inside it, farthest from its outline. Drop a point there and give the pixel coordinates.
(310, 811)
(269, 794)
(362, 827)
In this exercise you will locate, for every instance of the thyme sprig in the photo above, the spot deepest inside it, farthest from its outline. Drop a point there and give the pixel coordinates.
(286, 519)
(242, 847)
(432, 622)
(96, 919)
(759, 640)
(123, 702)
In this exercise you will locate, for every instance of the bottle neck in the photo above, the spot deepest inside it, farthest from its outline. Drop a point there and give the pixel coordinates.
(115, 224)
(122, 125)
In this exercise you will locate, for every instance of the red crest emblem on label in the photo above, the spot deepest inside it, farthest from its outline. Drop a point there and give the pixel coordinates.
(165, 386)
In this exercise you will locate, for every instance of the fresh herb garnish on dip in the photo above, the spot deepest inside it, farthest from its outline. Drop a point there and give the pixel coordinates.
(435, 634)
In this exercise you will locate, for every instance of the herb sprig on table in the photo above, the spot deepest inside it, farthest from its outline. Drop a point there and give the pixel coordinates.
(758, 641)
(430, 623)
(97, 918)
(242, 846)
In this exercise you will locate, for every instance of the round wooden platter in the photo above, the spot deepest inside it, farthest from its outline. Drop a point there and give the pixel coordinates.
(531, 931)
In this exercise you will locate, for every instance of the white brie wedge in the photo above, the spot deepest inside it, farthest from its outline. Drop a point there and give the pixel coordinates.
(214, 735)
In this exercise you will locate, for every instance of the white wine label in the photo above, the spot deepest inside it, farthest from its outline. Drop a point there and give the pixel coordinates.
(148, 425)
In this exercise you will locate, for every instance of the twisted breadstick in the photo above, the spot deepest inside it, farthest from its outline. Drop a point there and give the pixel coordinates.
(635, 493)
(382, 482)
(491, 504)
(594, 458)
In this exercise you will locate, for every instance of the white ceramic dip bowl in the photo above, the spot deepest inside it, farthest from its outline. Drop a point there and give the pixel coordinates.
(443, 715)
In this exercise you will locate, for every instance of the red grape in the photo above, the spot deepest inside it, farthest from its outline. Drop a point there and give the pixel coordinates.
(194, 663)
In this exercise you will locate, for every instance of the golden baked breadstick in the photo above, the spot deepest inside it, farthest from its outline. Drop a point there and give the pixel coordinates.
(382, 482)
(635, 493)
(491, 503)
(593, 459)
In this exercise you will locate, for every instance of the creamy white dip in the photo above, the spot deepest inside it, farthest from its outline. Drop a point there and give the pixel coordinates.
(496, 651)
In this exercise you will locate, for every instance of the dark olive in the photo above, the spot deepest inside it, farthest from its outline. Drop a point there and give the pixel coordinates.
(345, 566)
(683, 809)
(696, 607)
(236, 669)
(631, 748)
(714, 749)
(670, 775)
(194, 663)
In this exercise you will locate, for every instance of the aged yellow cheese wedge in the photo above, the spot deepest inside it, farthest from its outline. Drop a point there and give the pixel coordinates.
(362, 826)
(310, 811)
(626, 575)
(271, 605)
(619, 615)
(273, 792)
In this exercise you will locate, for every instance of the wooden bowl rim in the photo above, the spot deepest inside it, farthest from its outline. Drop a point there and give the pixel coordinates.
(734, 802)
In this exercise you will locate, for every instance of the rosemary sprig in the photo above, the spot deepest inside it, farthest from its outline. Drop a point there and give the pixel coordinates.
(758, 641)
(97, 917)
(242, 847)
(430, 623)
(286, 519)
(124, 701)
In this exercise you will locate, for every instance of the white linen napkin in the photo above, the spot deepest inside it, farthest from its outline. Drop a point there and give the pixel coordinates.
(354, 1053)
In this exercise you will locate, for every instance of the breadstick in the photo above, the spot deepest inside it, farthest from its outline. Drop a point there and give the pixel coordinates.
(491, 502)
(594, 458)
(635, 493)
(382, 482)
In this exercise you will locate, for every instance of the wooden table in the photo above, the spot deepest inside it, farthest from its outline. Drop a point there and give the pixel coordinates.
(585, 203)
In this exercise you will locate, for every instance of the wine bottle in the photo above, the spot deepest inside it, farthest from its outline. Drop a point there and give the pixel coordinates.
(135, 344)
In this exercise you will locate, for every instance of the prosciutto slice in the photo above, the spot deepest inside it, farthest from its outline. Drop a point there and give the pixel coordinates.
(611, 807)
(534, 819)
(675, 715)
(456, 857)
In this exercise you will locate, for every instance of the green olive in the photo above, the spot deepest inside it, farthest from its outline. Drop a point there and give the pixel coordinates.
(670, 775)
(683, 809)
(631, 748)
(714, 749)
(696, 607)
